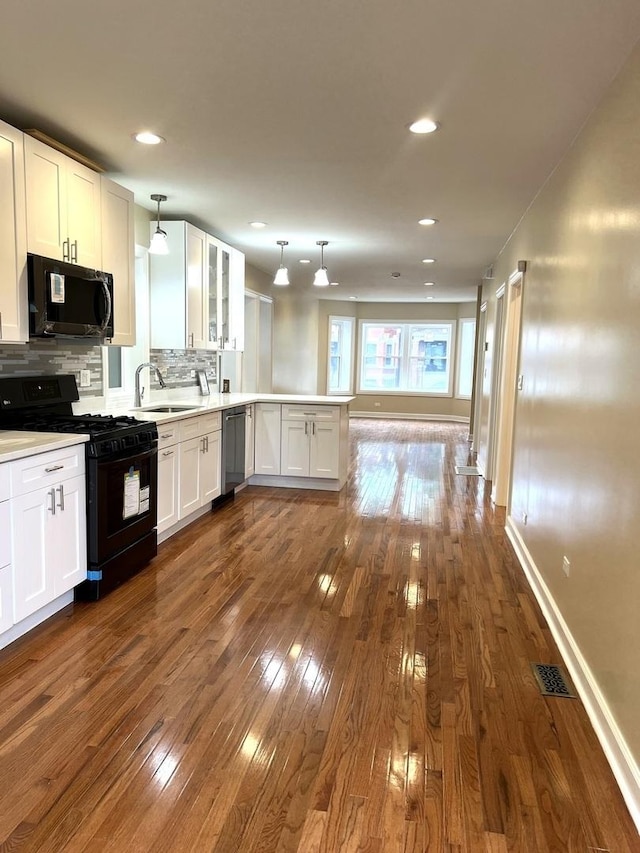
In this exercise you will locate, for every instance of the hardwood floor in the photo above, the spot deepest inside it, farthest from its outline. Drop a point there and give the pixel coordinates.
(307, 671)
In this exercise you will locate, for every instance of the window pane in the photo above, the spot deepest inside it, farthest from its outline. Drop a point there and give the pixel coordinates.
(382, 351)
(340, 355)
(465, 366)
(429, 360)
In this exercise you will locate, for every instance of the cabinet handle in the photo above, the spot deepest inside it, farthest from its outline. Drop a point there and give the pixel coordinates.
(167, 435)
(202, 450)
(206, 438)
(74, 252)
(168, 453)
(313, 428)
(61, 490)
(309, 414)
(306, 427)
(52, 468)
(52, 508)
(65, 249)
(192, 339)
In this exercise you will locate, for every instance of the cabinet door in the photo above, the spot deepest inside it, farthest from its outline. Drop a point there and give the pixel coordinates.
(295, 448)
(67, 536)
(32, 582)
(197, 333)
(6, 599)
(168, 487)
(236, 300)
(267, 438)
(13, 238)
(324, 450)
(190, 453)
(45, 173)
(210, 477)
(83, 215)
(249, 451)
(212, 293)
(118, 257)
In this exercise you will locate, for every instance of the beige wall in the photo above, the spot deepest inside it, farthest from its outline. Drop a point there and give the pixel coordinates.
(575, 469)
(295, 343)
(258, 281)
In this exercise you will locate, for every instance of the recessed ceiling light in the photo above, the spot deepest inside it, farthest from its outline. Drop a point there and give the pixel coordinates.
(424, 125)
(353, 297)
(305, 261)
(428, 260)
(257, 224)
(146, 137)
(430, 297)
(334, 283)
(427, 221)
(429, 283)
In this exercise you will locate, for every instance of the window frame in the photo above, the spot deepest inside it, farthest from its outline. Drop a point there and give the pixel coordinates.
(351, 322)
(470, 321)
(406, 326)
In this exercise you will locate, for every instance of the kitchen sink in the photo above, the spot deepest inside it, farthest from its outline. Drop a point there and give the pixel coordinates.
(167, 409)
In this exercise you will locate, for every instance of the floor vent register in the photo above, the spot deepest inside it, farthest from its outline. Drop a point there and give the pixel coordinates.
(553, 680)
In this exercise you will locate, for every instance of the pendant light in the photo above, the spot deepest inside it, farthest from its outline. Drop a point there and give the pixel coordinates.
(321, 279)
(282, 273)
(159, 245)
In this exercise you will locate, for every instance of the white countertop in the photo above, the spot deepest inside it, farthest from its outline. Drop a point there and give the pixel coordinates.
(15, 444)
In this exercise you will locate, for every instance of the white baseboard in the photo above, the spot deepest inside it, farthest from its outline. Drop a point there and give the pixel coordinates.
(410, 417)
(623, 764)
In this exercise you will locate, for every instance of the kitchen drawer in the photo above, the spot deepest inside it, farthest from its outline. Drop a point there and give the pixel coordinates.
(5, 540)
(194, 427)
(310, 413)
(43, 469)
(168, 434)
(5, 481)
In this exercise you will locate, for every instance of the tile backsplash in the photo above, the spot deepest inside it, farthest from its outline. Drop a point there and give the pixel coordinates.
(43, 357)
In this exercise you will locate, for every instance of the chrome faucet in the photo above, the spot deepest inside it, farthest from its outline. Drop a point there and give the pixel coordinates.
(139, 392)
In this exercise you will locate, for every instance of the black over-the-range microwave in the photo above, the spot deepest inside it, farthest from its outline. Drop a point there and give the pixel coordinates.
(67, 300)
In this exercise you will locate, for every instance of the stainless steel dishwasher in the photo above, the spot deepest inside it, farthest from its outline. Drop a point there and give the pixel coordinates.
(233, 455)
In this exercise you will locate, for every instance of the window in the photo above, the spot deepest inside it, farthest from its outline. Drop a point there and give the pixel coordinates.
(340, 366)
(466, 348)
(406, 357)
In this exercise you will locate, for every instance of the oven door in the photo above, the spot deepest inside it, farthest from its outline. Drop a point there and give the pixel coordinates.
(122, 502)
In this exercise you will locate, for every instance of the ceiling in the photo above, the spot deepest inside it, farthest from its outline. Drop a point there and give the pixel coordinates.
(295, 113)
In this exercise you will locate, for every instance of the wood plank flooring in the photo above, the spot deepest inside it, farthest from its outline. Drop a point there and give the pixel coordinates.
(314, 672)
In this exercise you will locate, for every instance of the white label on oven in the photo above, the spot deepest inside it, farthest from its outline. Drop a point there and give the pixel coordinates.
(144, 499)
(131, 494)
(57, 287)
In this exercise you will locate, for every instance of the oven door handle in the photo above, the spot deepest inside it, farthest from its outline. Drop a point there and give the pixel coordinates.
(136, 456)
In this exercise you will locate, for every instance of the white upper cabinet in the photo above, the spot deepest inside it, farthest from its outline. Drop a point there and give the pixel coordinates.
(118, 257)
(197, 291)
(177, 289)
(225, 297)
(63, 206)
(13, 238)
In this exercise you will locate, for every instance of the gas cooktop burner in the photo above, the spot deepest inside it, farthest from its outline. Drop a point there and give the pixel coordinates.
(91, 424)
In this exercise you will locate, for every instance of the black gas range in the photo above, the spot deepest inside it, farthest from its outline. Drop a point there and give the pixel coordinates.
(121, 473)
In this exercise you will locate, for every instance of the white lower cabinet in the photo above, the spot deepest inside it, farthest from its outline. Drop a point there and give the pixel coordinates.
(267, 426)
(249, 437)
(310, 441)
(200, 448)
(48, 528)
(168, 479)
(6, 581)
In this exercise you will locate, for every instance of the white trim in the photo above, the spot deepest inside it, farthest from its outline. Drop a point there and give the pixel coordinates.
(618, 754)
(286, 482)
(406, 416)
(30, 622)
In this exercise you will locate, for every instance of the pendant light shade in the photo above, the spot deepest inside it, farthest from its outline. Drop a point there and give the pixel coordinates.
(159, 245)
(321, 278)
(282, 273)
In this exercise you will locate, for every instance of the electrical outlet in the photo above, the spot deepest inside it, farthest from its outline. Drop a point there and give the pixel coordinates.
(566, 566)
(193, 374)
(377, 405)
(85, 378)
(524, 518)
